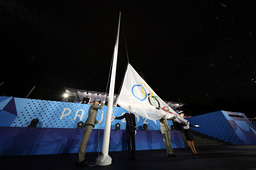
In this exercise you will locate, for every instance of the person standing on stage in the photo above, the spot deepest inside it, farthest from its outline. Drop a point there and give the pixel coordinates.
(131, 132)
(89, 125)
(189, 135)
(165, 130)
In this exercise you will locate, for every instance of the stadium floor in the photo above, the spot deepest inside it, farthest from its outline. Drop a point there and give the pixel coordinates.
(213, 157)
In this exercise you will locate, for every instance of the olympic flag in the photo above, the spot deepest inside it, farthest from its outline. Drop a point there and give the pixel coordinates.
(137, 97)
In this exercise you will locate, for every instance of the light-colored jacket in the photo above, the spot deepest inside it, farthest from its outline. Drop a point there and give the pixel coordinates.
(93, 110)
(164, 125)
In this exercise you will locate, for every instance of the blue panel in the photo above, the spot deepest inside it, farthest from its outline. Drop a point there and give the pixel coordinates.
(3, 101)
(242, 127)
(37, 141)
(6, 118)
(11, 107)
(55, 114)
(231, 127)
(254, 124)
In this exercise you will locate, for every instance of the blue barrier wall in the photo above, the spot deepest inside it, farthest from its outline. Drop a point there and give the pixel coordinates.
(57, 132)
(254, 124)
(231, 127)
(18, 112)
(38, 141)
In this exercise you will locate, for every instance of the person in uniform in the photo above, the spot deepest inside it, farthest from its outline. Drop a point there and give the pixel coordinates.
(165, 130)
(189, 135)
(131, 131)
(89, 125)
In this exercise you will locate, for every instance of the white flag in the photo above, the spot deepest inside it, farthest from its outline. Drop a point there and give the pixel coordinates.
(137, 96)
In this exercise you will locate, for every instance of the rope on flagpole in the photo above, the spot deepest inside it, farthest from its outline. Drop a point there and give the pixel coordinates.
(126, 49)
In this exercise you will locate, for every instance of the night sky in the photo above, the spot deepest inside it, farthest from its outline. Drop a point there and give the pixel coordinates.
(202, 53)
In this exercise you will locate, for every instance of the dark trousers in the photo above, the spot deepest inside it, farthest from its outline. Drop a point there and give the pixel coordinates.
(131, 137)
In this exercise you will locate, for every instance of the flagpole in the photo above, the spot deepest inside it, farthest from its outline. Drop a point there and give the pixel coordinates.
(30, 91)
(104, 159)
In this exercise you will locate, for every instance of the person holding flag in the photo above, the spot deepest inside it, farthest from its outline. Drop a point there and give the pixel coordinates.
(89, 125)
(165, 130)
(188, 133)
(130, 131)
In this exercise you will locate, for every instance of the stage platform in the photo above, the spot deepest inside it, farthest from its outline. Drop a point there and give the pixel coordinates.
(221, 157)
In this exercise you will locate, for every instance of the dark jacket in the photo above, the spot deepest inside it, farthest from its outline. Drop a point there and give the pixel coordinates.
(130, 122)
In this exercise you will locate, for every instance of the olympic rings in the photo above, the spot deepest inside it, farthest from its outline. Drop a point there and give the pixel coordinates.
(147, 89)
(168, 110)
(149, 95)
(143, 91)
(153, 100)
(157, 104)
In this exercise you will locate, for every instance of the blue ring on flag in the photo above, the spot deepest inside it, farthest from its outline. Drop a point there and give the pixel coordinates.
(138, 97)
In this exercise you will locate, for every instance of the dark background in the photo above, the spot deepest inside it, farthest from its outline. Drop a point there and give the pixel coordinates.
(199, 52)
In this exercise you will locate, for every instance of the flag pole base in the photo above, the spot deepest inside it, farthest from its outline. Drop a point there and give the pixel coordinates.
(103, 160)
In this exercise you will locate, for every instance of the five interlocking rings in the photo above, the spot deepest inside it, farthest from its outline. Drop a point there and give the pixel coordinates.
(151, 98)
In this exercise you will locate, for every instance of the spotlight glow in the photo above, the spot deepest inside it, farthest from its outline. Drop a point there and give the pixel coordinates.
(65, 95)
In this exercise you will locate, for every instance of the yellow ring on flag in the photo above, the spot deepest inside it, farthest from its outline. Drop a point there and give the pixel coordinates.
(147, 89)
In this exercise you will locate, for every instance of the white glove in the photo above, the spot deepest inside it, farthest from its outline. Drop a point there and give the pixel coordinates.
(135, 132)
(186, 127)
(197, 125)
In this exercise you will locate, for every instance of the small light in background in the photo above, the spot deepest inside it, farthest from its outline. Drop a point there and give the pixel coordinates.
(117, 126)
(65, 95)
(80, 125)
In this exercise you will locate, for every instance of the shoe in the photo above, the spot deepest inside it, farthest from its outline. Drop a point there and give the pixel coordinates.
(196, 154)
(171, 155)
(82, 164)
(133, 158)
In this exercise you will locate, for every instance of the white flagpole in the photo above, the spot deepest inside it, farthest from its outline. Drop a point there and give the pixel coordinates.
(30, 91)
(105, 159)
